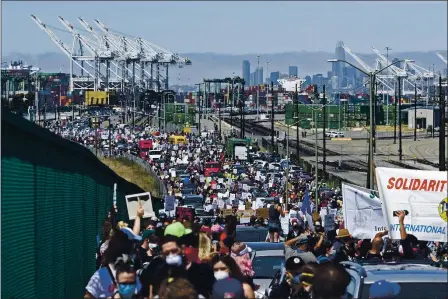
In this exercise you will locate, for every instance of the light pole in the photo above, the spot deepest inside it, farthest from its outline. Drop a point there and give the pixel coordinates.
(372, 76)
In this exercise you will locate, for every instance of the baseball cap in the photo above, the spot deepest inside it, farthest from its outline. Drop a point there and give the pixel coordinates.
(294, 263)
(130, 234)
(228, 288)
(302, 239)
(175, 229)
(147, 233)
(384, 289)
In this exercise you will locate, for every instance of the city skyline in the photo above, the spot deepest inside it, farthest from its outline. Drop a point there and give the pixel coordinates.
(430, 27)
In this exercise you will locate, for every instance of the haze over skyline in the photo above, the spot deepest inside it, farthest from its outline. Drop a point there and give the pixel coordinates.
(237, 27)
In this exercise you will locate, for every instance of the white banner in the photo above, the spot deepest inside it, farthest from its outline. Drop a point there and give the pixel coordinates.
(422, 194)
(363, 216)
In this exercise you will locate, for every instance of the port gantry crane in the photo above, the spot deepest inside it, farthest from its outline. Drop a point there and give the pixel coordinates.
(126, 57)
(77, 83)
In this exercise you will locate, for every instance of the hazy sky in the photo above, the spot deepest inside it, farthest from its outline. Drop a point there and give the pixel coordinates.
(238, 27)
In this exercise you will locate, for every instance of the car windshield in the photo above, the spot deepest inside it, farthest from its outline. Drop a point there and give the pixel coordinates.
(211, 165)
(266, 266)
(193, 200)
(416, 290)
(155, 153)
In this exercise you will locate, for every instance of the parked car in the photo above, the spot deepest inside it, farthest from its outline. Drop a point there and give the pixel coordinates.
(416, 280)
(267, 260)
(337, 135)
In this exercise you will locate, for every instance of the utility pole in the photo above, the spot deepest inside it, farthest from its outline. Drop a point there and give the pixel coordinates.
(371, 137)
(442, 148)
(395, 116)
(415, 112)
(241, 118)
(272, 116)
(400, 145)
(243, 102)
(298, 126)
(199, 105)
(324, 110)
(219, 116)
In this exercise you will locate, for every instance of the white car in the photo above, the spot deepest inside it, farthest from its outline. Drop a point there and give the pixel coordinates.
(337, 135)
(328, 133)
(275, 166)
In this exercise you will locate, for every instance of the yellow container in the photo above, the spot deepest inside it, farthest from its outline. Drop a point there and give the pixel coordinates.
(94, 98)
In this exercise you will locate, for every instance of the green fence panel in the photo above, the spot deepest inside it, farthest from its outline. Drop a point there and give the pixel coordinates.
(55, 197)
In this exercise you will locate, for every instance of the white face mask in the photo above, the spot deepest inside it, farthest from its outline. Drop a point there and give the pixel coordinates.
(219, 275)
(174, 260)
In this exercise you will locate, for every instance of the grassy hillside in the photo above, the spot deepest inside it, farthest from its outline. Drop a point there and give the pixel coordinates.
(133, 173)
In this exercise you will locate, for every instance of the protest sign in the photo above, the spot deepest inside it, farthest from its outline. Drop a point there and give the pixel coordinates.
(143, 199)
(227, 212)
(185, 213)
(262, 213)
(169, 203)
(363, 216)
(423, 194)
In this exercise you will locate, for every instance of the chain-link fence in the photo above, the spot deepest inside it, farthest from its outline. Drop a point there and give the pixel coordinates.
(55, 197)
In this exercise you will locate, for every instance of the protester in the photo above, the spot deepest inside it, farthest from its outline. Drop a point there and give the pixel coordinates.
(225, 267)
(299, 246)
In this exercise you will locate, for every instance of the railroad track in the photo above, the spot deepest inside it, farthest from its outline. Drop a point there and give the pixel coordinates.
(306, 147)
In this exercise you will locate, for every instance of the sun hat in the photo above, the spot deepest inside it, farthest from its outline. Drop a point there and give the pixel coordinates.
(343, 233)
(240, 249)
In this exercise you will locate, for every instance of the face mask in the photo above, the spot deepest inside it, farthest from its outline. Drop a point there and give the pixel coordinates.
(174, 260)
(126, 291)
(152, 245)
(219, 275)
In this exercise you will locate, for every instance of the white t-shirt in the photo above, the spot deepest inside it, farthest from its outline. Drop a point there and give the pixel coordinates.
(101, 285)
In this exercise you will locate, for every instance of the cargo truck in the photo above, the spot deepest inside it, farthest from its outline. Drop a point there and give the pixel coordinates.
(237, 148)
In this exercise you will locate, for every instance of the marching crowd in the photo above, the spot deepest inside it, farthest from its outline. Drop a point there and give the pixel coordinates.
(202, 257)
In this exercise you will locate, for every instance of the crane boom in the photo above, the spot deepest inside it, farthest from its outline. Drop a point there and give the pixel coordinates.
(443, 58)
(362, 63)
(58, 42)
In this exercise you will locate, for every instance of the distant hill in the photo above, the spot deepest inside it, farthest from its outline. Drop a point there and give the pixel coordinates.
(215, 65)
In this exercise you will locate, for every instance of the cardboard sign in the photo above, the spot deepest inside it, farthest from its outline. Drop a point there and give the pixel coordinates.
(227, 212)
(329, 222)
(221, 204)
(363, 215)
(170, 203)
(262, 213)
(185, 213)
(143, 199)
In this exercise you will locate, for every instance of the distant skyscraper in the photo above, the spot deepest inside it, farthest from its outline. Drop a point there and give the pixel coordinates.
(307, 80)
(259, 76)
(293, 71)
(246, 72)
(338, 66)
(253, 77)
(274, 77)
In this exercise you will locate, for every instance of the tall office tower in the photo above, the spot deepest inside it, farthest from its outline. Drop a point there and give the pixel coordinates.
(259, 76)
(275, 76)
(307, 80)
(338, 66)
(246, 72)
(293, 71)
(253, 77)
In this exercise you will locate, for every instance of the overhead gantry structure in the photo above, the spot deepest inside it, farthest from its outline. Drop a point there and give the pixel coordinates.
(114, 61)
(412, 75)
